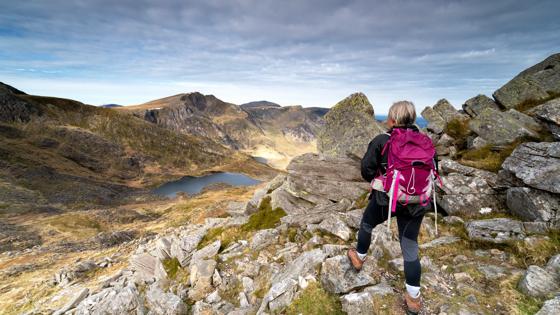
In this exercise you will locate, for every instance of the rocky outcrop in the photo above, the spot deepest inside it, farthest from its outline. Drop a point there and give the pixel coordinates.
(439, 115)
(550, 307)
(500, 128)
(14, 108)
(539, 282)
(537, 165)
(349, 126)
(549, 114)
(338, 275)
(534, 205)
(467, 190)
(534, 84)
(314, 180)
(477, 104)
(500, 230)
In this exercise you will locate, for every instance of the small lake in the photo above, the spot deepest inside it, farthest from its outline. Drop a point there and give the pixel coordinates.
(194, 185)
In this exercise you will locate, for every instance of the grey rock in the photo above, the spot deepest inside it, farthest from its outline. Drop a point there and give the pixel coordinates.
(207, 252)
(275, 183)
(363, 302)
(467, 195)
(539, 282)
(501, 128)
(550, 307)
(443, 240)
(338, 276)
(492, 272)
(334, 225)
(74, 301)
(447, 111)
(537, 165)
(184, 244)
(499, 230)
(201, 274)
(349, 127)
(144, 266)
(549, 113)
(534, 205)
(453, 220)
(255, 202)
(533, 84)
(163, 303)
(279, 296)
(113, 301)
(324, 180)
(301, 266)
(162, 248)
(263, 238)
(237, 208)
(553, 265)
(436, 123)
(475, 105)
(478, 143)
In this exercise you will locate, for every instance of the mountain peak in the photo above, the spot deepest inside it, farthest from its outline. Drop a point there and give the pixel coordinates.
(357, 102)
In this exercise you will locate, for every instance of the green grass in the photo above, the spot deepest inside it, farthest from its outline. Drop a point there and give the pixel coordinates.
(264, 218)
(171, 266)
(314, 300)
(486, 157)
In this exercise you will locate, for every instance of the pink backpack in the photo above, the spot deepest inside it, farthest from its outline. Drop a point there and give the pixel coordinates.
(411, 172)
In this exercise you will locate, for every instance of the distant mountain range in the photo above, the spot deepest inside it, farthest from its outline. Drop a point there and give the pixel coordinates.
(260, 128)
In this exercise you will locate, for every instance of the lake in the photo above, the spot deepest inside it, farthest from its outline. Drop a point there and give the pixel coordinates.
(420, 121)
(194, 185)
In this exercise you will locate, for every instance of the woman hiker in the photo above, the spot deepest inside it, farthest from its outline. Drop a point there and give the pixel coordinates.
(401, 115)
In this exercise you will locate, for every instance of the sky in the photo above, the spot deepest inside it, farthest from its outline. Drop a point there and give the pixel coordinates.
(310, 53)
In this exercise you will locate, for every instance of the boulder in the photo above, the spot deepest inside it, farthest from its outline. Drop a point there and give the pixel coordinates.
(184, 244)
(499, 230)
(264, 238)
(324, 180)
(539, 282)
(363, 302)
(74, 301)
(236, 208)
(279, 296)
(334, 225)
(201, 274)
(550, 307)
(125, 300)
(301, 266)
(436, 123)
(553, 265)
(535, 84)
(163, 303)
(338, 276)
(207, 252)
(447, 111)
(292, 205)
(502, 128)
(349, 127)
(467, 195)
(144, 266)
(534, 205)
(549, 114)
(475, 105)
(536, 164)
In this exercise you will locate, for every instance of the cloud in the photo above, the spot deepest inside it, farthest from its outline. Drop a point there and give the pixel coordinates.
(286, 51)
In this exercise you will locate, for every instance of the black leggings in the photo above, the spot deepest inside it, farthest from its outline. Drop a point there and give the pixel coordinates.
(409, 227)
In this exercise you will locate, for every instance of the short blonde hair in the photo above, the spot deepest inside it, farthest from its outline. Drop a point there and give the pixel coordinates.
(403, 113)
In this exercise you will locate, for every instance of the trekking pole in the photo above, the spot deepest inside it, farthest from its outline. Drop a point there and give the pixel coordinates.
(435, 202)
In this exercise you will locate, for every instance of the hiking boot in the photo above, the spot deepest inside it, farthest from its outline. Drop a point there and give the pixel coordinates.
(413, 305)
(356, 262)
